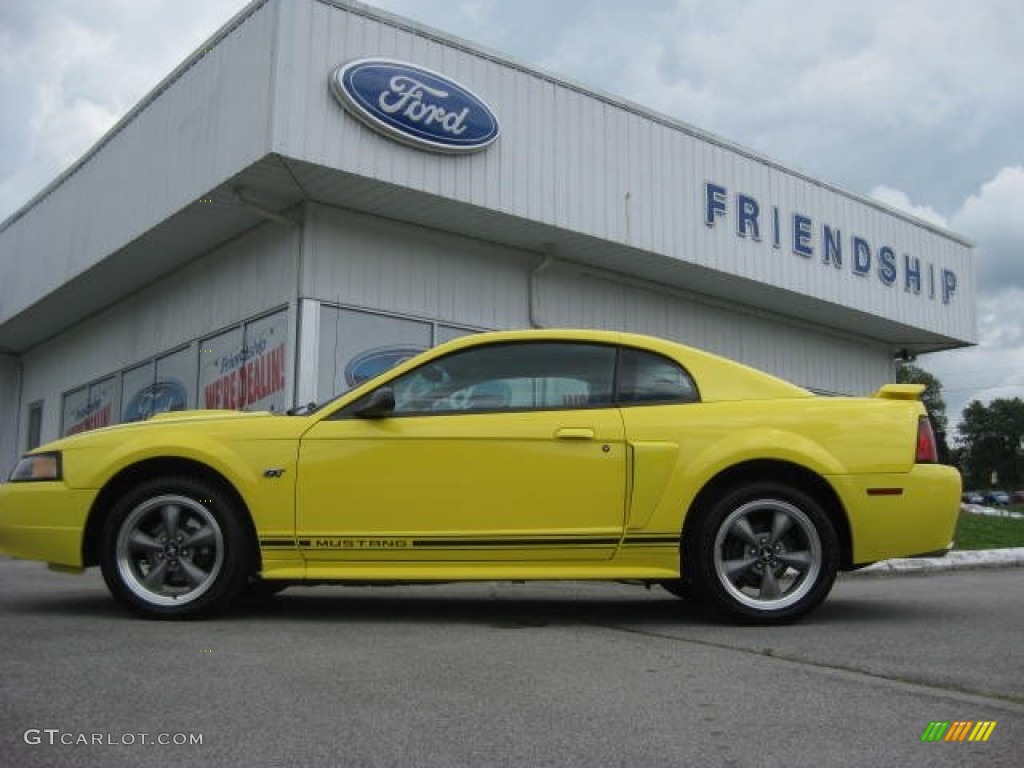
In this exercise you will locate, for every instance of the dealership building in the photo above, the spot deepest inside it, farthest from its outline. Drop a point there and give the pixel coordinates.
(323, 189)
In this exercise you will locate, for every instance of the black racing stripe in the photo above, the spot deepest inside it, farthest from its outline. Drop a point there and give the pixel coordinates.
(538, 542)
(658, 540)
(487, 543)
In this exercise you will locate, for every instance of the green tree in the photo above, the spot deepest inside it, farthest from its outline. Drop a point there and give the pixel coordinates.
(991, 441)
(908, 373)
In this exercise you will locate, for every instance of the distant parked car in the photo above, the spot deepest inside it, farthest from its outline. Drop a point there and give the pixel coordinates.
(972, 497)
(1017, 497)
(999, 498)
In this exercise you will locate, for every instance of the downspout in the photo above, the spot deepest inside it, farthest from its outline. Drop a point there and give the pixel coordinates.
(534, 301)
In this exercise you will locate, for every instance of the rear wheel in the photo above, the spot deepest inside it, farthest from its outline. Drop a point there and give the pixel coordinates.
(766, 553)
(175, 548)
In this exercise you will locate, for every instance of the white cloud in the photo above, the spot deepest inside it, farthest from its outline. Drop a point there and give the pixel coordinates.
(840, 89)
(69, 69)
(899, 200)
(56, 125)
(994, 368)
(994, 218)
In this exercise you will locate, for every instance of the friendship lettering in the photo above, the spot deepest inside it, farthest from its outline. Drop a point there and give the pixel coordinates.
(918, 277)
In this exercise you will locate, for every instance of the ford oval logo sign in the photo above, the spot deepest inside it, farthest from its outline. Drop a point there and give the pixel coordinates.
(373, 362)
(414, 105)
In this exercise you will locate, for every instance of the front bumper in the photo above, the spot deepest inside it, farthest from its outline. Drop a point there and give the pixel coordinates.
(44, 521)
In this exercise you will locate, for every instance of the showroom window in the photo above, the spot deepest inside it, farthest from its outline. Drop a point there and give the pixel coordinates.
(244, 368)
(159, 386)
(35, 425)
(356, 345)
(89, 407)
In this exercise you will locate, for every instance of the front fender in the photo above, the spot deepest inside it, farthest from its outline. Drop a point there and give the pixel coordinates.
(82, 471)
(243, 462)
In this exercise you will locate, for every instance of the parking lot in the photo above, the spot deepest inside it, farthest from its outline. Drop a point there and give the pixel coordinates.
(511, 674)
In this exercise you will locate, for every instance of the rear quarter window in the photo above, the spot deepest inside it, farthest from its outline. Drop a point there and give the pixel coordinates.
(646, 377)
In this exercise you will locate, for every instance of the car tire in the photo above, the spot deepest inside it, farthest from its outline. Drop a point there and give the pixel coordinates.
(764, 554)
(681, 588)
(258, 590)
(175, 548)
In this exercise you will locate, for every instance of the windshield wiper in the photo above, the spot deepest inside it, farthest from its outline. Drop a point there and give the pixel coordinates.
(301, 410)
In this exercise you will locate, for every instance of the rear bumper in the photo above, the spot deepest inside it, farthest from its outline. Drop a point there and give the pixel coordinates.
(44, 521)
(930, 555)
(902, 515)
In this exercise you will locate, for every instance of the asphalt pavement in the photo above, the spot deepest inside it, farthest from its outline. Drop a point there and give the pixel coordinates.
(501, 674)
(953, 561)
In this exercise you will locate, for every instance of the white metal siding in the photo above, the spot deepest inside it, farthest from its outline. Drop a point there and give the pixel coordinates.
(589, 165)
(250, 275)
(364, 261)
(206, 125)
(571, 297)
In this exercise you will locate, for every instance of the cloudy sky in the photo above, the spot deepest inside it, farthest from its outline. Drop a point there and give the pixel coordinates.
(918, 103)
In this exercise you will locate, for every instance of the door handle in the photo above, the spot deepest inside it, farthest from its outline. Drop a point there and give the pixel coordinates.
(575, 433)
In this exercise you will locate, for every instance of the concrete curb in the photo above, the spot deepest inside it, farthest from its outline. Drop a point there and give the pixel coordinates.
(954, 561)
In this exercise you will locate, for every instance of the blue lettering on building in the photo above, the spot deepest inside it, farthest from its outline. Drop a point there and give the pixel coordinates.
(861, 257)
(802, 236)
(911, 274)
(948, 285)
(805, 235)
(714, 202)
(886, 265)
(746, 222)
(833, 246)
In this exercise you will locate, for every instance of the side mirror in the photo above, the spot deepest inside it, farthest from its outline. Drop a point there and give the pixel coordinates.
(377, 405)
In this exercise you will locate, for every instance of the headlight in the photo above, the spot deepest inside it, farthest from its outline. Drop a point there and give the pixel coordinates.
(37, 467)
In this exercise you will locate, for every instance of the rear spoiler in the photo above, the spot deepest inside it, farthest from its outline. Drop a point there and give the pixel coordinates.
(900, 392)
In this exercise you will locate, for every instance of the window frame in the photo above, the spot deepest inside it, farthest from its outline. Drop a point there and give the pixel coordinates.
(617, 395)
(349, 411)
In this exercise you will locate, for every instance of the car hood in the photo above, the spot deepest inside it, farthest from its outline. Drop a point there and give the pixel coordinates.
(247, 423)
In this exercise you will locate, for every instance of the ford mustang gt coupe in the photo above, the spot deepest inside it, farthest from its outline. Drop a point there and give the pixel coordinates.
(503, 456)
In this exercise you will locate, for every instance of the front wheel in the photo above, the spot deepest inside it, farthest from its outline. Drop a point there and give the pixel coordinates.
(175, 548)
(765, 554)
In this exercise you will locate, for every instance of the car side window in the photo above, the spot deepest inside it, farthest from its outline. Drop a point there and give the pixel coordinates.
(513, 376)
(646, 377)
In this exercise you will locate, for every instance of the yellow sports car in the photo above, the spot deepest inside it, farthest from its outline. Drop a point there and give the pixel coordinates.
(512, 455)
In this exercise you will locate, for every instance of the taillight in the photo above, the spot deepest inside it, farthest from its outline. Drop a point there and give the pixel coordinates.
(927, 449)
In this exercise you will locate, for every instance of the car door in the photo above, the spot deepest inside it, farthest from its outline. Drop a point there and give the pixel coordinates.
(502, 452)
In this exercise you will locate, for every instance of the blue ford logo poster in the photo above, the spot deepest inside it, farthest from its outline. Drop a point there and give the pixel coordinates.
(159, 397)
(414, 105)
(373, 362)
